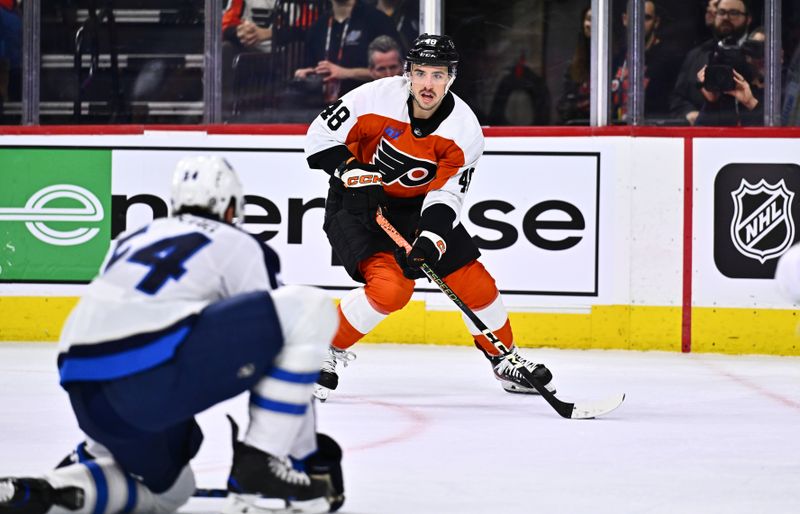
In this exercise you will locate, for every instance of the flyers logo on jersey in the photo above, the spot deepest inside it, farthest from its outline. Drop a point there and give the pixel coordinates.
(401, 167)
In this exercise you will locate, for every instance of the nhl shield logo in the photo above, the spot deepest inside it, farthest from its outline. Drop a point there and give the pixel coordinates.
(762, 227)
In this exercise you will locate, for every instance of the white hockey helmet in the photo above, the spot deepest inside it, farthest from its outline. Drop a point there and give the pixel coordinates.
(207, 184)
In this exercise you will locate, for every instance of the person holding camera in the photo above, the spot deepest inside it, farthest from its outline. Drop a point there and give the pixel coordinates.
(336, 48)
(731, 23)
(732, 86)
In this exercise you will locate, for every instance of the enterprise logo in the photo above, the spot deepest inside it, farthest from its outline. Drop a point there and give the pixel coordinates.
(36, 214)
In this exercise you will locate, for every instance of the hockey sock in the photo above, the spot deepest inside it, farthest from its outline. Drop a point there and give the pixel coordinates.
(107, 489)
(358, 316)
(496, 319)
(280, 402)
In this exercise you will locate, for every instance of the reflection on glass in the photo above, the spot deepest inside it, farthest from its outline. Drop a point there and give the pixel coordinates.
(790, 57)
(503, 70)
(661, 66)
(573, 102)
(105, 62)
(10, 62)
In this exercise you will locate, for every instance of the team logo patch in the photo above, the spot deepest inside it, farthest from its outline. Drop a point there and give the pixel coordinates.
(762, 227)
(755, 215)
(392, 132)
(400, 167)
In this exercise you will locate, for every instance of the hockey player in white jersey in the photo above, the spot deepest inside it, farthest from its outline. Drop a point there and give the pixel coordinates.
(787, 274)
(183, 315)
(410, 146)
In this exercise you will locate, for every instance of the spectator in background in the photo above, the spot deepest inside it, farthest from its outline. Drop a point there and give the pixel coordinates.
(10, 50)
(246, 27)
(743, 104)
(661, 68)
(573, 105)
(731, 22)
(336, 47)
(711, 14)
(405, 18)
(383, 56)
(790, 110)
(521, 97)
(248, 24)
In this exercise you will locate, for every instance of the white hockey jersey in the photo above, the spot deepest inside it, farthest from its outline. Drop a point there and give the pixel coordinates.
(434, 157)
(157, 276)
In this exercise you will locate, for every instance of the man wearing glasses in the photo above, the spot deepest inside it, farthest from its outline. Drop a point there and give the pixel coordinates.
(731, 23)
(409, 146)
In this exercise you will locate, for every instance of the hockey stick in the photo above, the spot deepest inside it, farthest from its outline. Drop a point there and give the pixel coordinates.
(567, 410)
(201, 492)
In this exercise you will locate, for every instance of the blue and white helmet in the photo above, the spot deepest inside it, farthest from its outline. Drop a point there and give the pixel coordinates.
(207, 183)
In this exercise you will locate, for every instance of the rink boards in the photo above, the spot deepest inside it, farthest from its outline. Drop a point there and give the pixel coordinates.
(597, 240)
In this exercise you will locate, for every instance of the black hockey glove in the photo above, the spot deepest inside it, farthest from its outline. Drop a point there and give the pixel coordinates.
(363, 191)
(428, 248)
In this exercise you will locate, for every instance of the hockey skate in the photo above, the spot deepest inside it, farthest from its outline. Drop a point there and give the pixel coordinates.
(261, 483)
(328, 378)
(513, 381)
(36, 496)
(326, 464)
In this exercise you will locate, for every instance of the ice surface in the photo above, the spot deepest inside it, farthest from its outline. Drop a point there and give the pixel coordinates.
(427, 429)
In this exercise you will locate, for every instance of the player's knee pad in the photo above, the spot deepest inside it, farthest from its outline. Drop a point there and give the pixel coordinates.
(473, 284)
(326, 464)
(387, 289)
(308, 320)
(389, 295)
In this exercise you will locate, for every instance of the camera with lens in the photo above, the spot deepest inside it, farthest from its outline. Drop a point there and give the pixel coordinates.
(725, 57)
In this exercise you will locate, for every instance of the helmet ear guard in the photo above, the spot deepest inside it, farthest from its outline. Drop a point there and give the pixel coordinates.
(207, 184)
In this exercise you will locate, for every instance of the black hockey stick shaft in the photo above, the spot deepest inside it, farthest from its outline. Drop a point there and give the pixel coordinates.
(202, 492)
(562, 408)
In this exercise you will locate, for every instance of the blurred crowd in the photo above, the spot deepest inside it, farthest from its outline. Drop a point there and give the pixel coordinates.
(522, 62)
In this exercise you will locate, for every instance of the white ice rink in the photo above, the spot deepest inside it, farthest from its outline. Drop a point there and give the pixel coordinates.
(428, 430)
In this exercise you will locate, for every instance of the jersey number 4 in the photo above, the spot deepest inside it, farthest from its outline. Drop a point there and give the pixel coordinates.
(165, 259)
(335, 115)
(465, 179)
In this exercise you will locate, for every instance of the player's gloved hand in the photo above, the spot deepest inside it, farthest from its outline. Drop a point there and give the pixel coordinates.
(363, 190)
(428, 248)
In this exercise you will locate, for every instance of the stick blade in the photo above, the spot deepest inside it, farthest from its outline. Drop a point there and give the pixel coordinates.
(590, 410)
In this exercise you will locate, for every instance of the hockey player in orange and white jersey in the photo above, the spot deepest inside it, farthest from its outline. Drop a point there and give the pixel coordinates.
(410, 146)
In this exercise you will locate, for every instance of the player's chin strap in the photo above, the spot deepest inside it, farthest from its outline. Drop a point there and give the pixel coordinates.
(567, 410)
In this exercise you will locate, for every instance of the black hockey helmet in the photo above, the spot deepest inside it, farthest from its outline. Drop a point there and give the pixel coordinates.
(433, 50)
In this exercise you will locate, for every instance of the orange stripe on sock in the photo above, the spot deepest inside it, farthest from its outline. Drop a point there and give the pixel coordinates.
(346, 336)
(504, 334)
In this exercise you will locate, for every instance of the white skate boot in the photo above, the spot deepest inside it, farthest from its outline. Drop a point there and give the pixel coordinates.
(512, 380)
(328, 378)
